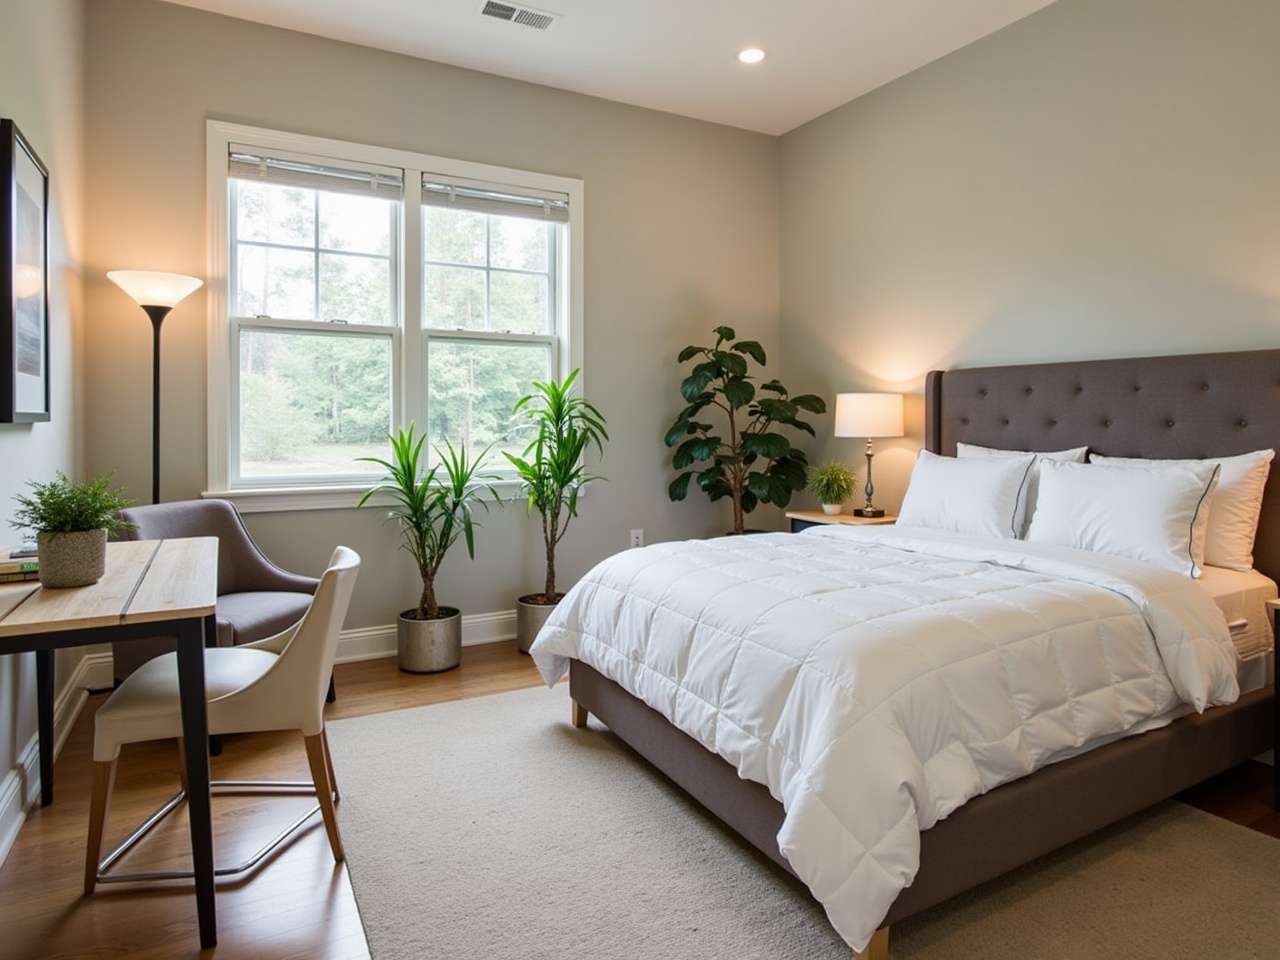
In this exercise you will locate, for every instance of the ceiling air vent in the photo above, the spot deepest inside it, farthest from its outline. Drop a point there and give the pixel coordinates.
(525, 16)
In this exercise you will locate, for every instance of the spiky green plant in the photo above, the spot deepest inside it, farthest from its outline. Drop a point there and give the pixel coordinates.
(833, 482)
(432, 510)
(552, 468)
(66, 506)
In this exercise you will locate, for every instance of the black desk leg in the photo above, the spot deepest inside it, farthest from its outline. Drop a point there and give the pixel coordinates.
(44, 710)
(195, 726)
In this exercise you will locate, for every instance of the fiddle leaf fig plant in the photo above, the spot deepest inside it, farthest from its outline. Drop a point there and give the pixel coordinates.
(743, 456)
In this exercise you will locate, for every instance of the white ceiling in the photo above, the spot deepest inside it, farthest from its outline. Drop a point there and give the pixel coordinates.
(673, 55)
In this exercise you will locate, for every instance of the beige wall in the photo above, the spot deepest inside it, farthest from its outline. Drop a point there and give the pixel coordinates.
(681, 233)
(1099, 179)
(41, 90)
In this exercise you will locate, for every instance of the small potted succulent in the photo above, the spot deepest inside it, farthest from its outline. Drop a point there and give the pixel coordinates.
(71, 521)
(833, 484)
(433, 508)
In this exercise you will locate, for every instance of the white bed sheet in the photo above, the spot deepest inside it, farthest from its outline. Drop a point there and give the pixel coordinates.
(946, 664)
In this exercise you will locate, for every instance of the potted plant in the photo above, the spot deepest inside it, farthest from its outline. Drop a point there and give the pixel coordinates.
(746, 458)
(552, 473)
(432, 508)
(833, 484)
(71, 521)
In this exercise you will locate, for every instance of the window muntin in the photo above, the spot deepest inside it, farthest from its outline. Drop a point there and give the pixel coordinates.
(521, 279)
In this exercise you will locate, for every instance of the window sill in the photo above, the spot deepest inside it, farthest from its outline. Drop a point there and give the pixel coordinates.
(344, 497)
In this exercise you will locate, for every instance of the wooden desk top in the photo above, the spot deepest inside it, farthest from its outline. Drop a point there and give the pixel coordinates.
(145, 581)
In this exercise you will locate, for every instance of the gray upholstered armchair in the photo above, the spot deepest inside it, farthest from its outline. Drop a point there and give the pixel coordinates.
(256, 599)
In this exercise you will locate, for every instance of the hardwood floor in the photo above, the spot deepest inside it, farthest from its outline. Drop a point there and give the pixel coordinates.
(298, 904)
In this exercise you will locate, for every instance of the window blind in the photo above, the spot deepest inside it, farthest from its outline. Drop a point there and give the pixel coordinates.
(315, 173)
(491, 198)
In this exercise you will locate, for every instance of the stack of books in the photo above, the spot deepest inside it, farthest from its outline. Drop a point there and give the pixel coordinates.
(19, 563)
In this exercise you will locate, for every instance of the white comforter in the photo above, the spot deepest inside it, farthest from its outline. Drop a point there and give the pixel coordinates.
(876, 678)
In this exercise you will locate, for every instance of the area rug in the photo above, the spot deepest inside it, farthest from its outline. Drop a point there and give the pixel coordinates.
(491, 828)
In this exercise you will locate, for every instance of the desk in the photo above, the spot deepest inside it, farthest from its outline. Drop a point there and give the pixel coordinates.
(150, 588)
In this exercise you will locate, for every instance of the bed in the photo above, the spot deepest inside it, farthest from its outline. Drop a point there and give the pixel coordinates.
(1213, 405)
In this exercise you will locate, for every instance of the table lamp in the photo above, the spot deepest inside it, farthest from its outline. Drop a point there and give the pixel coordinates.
(868, 415)
(157, 294)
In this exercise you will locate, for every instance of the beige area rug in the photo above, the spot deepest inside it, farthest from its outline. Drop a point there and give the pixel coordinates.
(491, 828)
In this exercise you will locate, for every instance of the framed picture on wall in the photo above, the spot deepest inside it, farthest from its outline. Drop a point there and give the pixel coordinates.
(24, 280)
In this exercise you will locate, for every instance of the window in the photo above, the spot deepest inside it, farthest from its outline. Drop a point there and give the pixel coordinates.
(365, 288)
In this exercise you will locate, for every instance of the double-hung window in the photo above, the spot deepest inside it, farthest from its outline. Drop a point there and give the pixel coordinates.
(356, 289)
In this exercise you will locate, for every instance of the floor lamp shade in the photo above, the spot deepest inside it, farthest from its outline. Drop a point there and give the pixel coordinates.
(868, 415)
(157, 294)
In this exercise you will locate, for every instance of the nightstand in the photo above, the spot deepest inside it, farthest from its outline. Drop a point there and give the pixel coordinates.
(802, 519)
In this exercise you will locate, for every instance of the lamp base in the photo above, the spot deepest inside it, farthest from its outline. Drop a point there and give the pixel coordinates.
(872, 512)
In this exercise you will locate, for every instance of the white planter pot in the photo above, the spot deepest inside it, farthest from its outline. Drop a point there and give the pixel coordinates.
(831, 509)
(429, 646)
(74, 559)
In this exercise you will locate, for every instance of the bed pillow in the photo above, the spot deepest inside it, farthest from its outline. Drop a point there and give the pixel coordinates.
(1074, 455)
(981, 496)
(1152, 513)
(1233, 508)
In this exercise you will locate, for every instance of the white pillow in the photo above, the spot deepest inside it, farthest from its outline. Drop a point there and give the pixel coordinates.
(981, 496)
(1233, 508)
(1073, 455)
(1152, 513)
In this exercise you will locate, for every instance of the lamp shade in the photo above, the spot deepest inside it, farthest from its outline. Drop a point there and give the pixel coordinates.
(868, 415)
(151, 289)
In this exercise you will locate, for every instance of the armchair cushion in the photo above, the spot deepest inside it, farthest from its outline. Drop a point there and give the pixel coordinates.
(244, 617)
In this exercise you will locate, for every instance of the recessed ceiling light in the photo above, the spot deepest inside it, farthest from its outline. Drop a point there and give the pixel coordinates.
(751, 55)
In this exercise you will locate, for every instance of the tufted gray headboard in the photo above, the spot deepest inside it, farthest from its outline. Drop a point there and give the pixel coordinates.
(1200, 405)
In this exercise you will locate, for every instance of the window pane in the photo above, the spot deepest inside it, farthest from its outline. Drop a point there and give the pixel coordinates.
(519, 243)
(272, 213)
(453, 298)
(310, 404)
(453, 236)
(518, 302)
(355, 289)
(355, 223)
(276, 282)
(471, 388)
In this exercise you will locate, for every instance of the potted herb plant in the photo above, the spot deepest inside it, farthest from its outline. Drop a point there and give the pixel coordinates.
(833, 484)
(433, 508)
(71, 521)
(744, 457)
(552, 473)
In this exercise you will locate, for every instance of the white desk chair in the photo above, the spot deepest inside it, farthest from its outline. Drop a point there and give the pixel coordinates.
(274, 684)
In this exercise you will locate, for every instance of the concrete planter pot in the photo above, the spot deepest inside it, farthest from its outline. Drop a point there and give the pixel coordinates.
(530, 617)
(74, 559)
(429, 646)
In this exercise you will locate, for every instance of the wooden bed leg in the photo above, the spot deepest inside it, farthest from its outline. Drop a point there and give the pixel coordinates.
(579, 714)
(878, 948)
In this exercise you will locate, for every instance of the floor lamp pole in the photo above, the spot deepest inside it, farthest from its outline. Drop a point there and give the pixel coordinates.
(157, 315)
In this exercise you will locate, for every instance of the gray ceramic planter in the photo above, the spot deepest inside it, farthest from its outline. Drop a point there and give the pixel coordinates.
(74, 559)
(529, 619)
(429, 646)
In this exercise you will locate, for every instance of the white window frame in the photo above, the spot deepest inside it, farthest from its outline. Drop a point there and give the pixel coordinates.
(410, 339)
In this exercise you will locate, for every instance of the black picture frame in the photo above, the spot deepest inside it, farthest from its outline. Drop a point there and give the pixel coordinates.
(24, 280)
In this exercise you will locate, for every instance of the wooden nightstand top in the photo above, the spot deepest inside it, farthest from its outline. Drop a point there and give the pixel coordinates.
(817, 516)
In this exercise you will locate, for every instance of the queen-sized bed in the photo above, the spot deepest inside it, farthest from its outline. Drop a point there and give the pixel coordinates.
(1203, 406)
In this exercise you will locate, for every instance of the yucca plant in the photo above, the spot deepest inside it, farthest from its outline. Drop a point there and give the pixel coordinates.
(551, 468)
(434, 507)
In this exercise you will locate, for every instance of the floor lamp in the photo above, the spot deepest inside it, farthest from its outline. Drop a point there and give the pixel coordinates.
(868, 415)
(157, 294)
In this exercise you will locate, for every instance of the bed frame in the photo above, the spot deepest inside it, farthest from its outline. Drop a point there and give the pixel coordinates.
(1182, 406)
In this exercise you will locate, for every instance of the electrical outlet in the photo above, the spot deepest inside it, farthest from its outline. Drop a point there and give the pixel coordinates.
(637, 538)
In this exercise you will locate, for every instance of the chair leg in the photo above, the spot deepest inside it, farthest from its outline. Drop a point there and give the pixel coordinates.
(332, 695)
(182, 763)
(324, 792)
(104, 779)
(328, 762)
